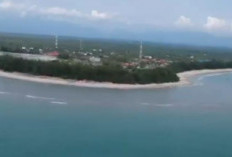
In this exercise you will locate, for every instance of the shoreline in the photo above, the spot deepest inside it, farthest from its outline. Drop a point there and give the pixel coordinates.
(185, 79)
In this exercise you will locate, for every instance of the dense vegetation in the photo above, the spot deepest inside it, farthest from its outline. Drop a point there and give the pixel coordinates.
(14, 42)
(105, 73)
(185, 58)
(187, 66)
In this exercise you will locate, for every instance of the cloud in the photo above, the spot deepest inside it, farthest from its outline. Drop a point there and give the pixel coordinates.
(8, 5)
(213, 25)
(53, 12)
(57, 11)
(5, 5)
(216, 24)
(184, 22)
(97, 14)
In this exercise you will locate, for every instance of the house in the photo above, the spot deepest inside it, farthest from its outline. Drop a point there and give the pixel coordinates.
(95, 60)
(53, 53)
(147, 57)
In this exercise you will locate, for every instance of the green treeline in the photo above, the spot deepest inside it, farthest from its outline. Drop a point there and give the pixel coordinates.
(104, 73)
(107, 72)
(187, 66)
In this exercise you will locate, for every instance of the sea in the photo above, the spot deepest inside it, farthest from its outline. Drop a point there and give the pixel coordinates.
(45, 120)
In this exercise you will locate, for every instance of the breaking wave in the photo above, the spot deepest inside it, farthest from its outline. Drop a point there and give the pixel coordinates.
(157, 105)
(164, 105)
(145, 104)
(38, 97)
(1, 92)
(209, 75)
(59, 102)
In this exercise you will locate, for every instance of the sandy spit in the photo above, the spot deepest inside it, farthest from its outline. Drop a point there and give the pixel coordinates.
(185, 79)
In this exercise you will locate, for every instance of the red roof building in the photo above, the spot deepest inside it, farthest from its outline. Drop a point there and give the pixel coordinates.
(53, 53)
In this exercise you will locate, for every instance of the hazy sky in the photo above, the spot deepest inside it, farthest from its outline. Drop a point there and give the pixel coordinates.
(107, 16)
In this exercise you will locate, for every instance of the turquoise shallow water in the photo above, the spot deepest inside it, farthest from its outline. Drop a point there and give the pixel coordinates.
(42, 120)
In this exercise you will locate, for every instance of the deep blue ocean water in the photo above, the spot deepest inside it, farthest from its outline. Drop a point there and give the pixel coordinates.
(42, 120)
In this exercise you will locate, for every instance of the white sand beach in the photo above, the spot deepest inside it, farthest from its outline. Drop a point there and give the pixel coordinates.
(185, 79)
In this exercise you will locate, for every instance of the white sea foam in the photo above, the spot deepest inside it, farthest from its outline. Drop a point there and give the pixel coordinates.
(59, 102)
(1, 92)
(38, 97)
(157, 105)
(145, 103)
(199, 80)
(164, 105)
(209, 75)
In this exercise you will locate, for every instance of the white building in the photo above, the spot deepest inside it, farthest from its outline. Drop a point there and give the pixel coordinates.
(95, 61)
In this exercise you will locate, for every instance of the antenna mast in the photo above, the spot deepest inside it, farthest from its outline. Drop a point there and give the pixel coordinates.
(80, 45)
(56, 42)
(141, 51)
